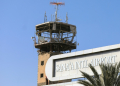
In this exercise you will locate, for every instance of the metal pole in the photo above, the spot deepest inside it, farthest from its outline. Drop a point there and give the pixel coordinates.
(56, 13)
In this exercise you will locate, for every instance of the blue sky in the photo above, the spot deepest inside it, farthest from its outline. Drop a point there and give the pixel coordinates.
(97, 22)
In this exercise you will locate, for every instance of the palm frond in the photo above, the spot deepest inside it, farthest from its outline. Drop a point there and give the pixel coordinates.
(90, 78)
(109, 76)
(85, 83)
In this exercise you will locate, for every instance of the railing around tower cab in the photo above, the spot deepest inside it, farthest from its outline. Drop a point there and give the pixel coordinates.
(45, 40)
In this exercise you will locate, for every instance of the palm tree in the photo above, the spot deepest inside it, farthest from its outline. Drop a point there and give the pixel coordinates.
(109, 76)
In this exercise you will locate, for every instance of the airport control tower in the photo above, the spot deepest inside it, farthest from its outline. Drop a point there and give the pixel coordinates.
(53, 38)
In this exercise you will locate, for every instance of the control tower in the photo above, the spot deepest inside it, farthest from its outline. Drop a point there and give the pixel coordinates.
(53, 38)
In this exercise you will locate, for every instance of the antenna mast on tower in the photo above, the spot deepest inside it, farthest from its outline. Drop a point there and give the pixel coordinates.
(57, 4)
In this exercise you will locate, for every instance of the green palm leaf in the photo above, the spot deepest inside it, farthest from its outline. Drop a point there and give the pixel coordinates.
(109, 76)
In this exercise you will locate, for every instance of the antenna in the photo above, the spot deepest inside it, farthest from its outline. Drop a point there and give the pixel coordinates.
(57, 4)
(66, 18)
(45, 18)
(51, 17)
